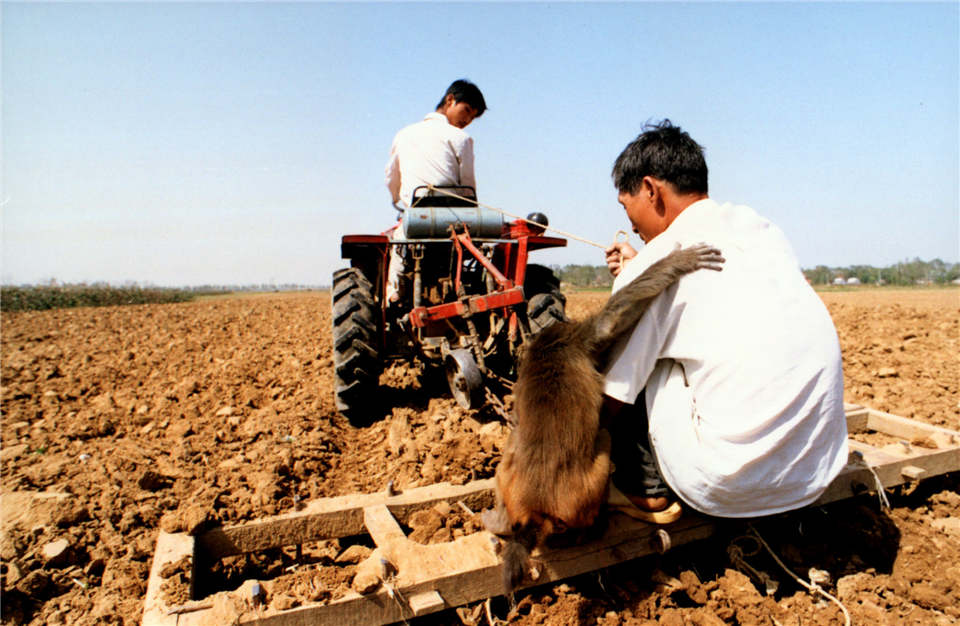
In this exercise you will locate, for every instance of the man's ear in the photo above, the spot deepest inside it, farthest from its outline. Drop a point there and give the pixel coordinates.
(653, 189)
(647, 184)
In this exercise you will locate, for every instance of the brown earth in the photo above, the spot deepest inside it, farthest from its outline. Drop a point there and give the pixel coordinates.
(120, 421)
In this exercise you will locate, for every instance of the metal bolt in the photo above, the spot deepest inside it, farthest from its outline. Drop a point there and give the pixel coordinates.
(661, 541)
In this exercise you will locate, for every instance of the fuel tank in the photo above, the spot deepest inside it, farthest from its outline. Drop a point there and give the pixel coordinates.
(434, 222)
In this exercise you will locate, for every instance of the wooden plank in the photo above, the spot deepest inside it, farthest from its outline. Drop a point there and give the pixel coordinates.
(857, 420)
(382, 526)
(459, 576)
(912, 472)
(170, 549)
(454, 570)
(890, 473)
(626, 540)
(902, 449)
(874, 456)
(426, 602)
(353, 610)
(336, 517)
(910, 430)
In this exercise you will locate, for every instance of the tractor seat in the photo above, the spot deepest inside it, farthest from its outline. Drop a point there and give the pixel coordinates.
(425, 197)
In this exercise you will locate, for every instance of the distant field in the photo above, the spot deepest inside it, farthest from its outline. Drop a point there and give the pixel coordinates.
(42, 298)
(936, 292)
(68, 296)
(886, 288)
(941, 298)
(258, 294)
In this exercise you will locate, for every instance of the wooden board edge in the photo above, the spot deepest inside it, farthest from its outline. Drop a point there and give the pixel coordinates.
(854, 478)
(907, 428)
(874, 456)
(170, 549)
(382, 526)
(636, 540)
(341, 516)
(857, 420)
(626, 540)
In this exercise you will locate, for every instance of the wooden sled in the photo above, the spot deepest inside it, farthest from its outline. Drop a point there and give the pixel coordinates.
(420, 579)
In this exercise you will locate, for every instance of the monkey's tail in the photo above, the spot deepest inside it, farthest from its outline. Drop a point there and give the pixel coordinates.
(516, 555)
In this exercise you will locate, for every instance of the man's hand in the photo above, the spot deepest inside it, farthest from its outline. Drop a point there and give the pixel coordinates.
(617, 254)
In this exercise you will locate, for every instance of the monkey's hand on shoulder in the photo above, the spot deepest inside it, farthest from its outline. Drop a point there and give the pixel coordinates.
(701, 256)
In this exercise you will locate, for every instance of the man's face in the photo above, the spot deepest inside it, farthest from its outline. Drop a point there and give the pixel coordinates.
(642, 214)
(459, 114)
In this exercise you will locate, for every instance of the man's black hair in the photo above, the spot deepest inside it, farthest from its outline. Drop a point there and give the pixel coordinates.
(663, 151)
(464, 91)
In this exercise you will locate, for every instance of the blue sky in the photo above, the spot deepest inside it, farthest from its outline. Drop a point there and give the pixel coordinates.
(193, 143)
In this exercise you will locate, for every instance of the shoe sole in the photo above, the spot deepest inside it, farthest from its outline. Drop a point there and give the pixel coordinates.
(617, 500)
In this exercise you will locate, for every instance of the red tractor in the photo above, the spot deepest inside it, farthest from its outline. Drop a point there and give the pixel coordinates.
(468, 298)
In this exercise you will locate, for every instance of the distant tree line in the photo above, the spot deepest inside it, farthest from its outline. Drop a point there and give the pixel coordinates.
(53, 295)
(915, 272)
(584, 275)
(39, 298)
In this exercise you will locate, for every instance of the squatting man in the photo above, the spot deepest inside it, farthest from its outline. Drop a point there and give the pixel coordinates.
(728, 393)
(738, 370)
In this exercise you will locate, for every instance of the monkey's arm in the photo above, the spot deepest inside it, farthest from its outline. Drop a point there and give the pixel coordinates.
(625, 308)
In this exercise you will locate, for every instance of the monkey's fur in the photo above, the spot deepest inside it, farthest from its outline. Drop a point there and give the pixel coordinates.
(556, 464)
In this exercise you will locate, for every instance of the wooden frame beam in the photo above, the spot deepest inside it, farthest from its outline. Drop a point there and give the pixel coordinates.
(423, 579)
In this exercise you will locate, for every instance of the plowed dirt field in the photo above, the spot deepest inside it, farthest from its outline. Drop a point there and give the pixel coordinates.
(119, 421)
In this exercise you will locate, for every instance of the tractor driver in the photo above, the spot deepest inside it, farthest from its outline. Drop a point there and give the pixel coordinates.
(434, 151)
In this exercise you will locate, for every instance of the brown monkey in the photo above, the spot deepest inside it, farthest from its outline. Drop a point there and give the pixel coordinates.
(555, 469)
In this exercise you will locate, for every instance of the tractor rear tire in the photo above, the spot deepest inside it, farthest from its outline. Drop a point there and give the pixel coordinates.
(356, 345)
(546, 304)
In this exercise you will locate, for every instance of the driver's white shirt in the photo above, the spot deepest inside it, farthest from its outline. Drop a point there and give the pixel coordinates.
(432, 151)
(742, 369)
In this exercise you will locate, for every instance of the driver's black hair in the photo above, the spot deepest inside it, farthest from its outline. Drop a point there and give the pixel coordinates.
(464, 91)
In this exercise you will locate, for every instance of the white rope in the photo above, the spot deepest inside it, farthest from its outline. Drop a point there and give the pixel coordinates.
(878, 484)
(881, 491)
(493, 621)
(394, 594)
(517, 217)
(811, 586)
